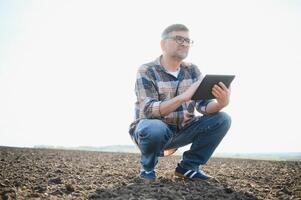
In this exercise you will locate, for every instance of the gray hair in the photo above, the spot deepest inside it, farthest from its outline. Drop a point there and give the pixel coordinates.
(171, 28)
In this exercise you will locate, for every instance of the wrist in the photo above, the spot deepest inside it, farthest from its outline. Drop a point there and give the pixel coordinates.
(220, 106)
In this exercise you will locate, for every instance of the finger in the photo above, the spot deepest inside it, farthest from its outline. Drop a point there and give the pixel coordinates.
(197, 83)
(219, 89)
(215, 94)
(223, 86)
(219, 94)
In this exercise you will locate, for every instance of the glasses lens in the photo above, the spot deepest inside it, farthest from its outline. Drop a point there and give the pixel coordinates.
(189, 41)
(181, 40)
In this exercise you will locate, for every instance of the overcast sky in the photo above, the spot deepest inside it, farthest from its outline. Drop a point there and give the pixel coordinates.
(68, 68)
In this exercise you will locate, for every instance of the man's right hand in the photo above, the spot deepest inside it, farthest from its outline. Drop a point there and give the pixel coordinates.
(187, 95)
(166, 107)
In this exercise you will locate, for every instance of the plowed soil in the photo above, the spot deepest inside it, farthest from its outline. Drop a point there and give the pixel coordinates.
(66, 174)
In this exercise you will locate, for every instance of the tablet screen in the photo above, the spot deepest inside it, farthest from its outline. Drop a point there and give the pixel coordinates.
(204, 90)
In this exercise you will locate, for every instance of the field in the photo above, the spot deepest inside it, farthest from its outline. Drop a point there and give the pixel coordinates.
(69, 174)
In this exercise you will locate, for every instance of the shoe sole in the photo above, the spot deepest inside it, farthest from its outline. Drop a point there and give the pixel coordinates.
(193, 179)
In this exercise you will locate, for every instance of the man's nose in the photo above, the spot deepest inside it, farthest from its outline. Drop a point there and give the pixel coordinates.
(185, 44)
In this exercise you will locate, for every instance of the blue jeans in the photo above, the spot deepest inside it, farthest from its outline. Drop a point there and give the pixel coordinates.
(205, 133)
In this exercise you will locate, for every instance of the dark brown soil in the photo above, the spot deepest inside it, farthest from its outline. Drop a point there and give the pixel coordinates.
(63, 174)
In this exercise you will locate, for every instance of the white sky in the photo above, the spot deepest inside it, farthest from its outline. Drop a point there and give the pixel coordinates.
(67, 68)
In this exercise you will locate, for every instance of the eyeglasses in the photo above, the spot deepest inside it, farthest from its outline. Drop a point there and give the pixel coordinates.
(180, 40)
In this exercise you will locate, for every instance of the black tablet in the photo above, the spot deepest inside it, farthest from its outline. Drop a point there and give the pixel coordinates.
(204, 90)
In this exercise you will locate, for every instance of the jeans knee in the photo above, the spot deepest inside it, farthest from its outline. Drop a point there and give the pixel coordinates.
(155, 131)
(224, 119)
(219, 121)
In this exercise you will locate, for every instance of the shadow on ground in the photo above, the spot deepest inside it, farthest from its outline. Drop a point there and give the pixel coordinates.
(173, 189)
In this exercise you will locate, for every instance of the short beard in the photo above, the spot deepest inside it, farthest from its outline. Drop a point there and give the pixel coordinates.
(180, 56)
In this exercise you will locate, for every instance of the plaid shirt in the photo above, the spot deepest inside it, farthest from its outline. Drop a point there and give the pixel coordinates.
(154, 85)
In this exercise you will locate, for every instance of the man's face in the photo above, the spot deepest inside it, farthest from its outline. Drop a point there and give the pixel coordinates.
(176, 45)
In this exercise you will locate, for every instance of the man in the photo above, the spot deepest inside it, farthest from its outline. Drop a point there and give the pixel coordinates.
(164, 111)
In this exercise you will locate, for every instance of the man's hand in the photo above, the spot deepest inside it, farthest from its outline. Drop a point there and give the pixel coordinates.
(222, 94)
(166, 107)
(186, 96)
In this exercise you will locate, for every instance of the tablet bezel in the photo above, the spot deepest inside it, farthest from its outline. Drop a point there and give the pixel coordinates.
(204, 91)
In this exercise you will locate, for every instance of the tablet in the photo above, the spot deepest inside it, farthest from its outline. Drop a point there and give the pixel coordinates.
(204, 90)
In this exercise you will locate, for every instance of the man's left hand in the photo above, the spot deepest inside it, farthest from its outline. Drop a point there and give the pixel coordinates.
(222, 94)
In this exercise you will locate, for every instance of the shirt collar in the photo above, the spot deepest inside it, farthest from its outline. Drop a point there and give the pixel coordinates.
(161, 68)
